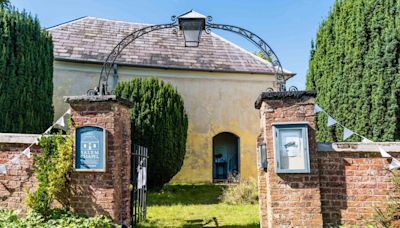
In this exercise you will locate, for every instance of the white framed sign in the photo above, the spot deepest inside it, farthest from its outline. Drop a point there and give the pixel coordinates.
(291, 147)
(90, 149)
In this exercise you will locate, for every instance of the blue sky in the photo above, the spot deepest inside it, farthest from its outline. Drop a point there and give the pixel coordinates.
(288, 26)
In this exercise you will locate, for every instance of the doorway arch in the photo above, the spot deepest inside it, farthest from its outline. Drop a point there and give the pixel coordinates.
(226, 160)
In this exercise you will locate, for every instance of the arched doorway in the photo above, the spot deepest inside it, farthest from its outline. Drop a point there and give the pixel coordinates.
(226, 157)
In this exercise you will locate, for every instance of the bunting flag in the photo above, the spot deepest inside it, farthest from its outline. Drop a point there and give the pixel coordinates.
(15, 160)
(27, 152)
(395, 164)
(317, 108)
(384, 154)
(347, 133)
(331, 121)
(365, 140)
(3, 169)
(60, 122)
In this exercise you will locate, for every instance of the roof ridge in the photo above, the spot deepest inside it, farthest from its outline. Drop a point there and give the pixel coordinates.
(97, 18)
(67, 22)
(120, 21)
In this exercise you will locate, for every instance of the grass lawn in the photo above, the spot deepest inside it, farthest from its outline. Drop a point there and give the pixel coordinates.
(196, 206)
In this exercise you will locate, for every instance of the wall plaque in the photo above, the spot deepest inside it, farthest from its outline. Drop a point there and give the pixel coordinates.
(90, 149)
(291, 148)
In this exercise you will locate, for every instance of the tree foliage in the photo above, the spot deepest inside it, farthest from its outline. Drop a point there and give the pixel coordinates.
(4, 3)
(159, 122)
(354, 67)
(26, 74)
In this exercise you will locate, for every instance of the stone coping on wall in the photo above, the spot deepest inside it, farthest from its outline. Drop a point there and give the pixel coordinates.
(348, 147)
(97, 98)
(15, 138)
(281, 95)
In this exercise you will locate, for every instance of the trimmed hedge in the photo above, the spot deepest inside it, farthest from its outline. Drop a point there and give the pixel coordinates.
(159, 122)
(26, 74)
(354, 68)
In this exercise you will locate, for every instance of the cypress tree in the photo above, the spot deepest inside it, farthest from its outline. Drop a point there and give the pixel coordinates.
(158, 122)
(354, 67)
(26, 74)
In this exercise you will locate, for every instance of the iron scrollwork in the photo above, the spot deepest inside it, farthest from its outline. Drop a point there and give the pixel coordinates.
(102, 88)
(280, 82)
(106, 70)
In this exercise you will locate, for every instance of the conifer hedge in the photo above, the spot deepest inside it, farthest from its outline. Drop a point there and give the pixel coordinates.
(354, 67)
(26, 74)
(158, 122)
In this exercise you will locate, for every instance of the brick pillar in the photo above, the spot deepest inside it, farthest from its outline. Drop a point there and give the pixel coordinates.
(104, 193)
(288, 200)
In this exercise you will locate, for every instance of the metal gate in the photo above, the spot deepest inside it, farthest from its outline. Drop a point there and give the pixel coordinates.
(139, 183)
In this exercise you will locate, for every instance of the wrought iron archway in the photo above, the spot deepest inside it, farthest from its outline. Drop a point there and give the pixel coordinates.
(280, 83)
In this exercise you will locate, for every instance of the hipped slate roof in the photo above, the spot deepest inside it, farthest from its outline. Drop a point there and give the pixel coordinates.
(91, 39)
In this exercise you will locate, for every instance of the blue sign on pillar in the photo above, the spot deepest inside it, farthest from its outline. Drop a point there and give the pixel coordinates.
(90, 149)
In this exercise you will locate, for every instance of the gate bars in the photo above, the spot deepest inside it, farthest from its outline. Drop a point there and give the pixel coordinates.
(139, 182)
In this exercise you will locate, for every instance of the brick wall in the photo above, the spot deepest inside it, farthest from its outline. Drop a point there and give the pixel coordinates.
(354, 182)
(92, 193)
(347, 182)
(19, 178)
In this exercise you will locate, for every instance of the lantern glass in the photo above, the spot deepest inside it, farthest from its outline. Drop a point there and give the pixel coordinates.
(192, 31)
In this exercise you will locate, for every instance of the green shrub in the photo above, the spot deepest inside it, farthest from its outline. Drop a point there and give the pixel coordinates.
(57, 218)
(52, 167)
(159, 122)
(354, 67)
(26, 74)
(246, 192)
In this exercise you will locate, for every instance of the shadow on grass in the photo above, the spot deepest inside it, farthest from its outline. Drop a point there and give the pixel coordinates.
(214, 223)
(200, 223)
(185, 195)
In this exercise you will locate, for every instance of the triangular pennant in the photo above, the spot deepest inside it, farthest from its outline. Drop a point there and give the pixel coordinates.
(27, 152)
(68, 111)
(347, 133)
(384, 154)
(15, 160)
(331, 121)
(3, 169)
(365, 140)
(60, 122)
(317, 108)
(395, 164)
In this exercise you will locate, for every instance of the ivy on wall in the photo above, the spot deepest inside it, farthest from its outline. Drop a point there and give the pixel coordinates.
(26, 74)
(354, 67)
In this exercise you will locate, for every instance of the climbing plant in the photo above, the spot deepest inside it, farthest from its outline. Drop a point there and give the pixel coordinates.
(159, 122)
(52, 167)
(354, 67)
